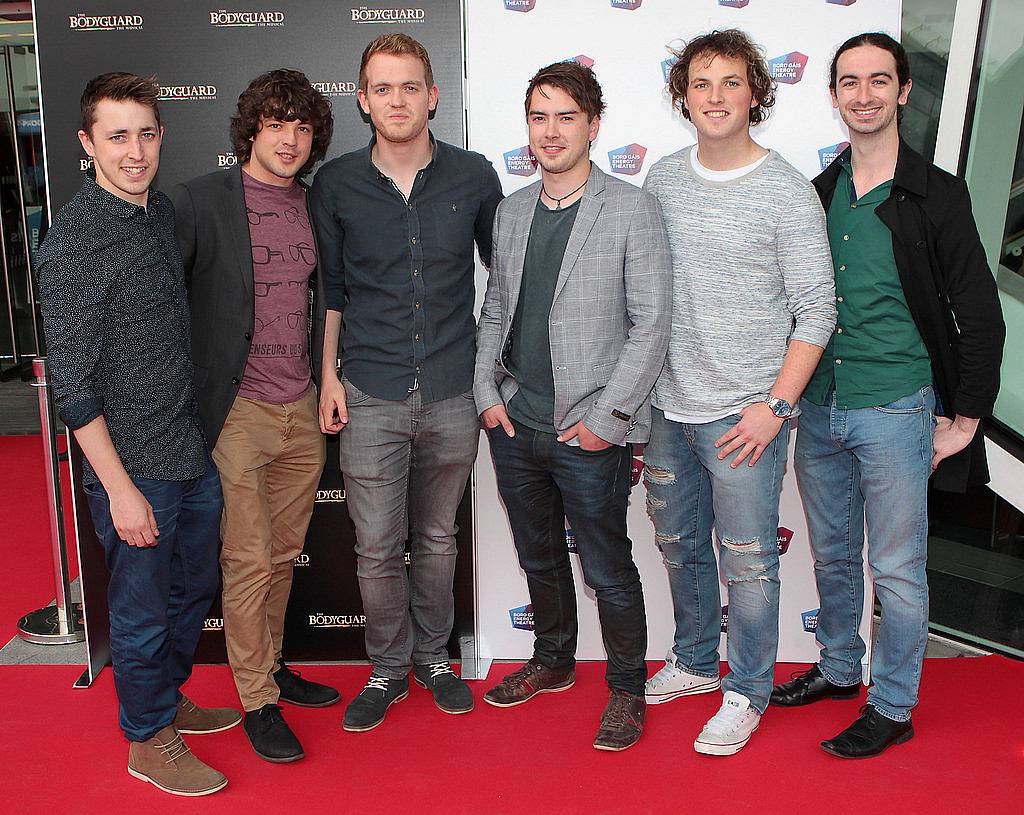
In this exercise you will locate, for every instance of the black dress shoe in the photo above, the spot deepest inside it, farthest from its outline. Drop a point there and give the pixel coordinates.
(808, 687)
(302, 692)
(871, 735)
(270, 735)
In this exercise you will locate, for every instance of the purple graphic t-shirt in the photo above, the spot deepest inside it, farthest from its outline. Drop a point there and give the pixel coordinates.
(283, 257)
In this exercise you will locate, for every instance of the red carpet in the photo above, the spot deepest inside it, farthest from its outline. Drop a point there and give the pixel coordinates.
(25, 549)
(64, 753)
(967, 757)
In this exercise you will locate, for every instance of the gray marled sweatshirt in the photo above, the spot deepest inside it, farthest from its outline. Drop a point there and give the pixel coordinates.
(751, 270)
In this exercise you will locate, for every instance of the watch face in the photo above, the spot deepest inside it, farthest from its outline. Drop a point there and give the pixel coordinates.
(781, 408)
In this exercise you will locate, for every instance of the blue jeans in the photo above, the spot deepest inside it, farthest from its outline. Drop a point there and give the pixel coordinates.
(543, 482)
(159, 595)
(689, 491)
(871, 463)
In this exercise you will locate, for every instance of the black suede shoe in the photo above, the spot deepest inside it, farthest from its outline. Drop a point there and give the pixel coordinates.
(302, 692)
(270, 735)
(451, 694)
(368, 709)
(808, 687)
(871, 735)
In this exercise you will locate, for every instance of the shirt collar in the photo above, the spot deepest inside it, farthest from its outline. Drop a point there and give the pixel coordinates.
(436, 152)
(112, 203)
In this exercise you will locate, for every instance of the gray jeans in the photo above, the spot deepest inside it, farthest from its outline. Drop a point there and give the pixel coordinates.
(405, 466)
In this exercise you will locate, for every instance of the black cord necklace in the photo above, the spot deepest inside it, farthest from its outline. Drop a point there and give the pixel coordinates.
(558, 201)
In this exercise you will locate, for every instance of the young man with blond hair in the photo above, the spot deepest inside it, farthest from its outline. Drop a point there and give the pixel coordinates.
(753, 308)
(396, 223)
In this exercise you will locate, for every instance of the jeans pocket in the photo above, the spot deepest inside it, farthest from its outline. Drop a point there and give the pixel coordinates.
(916, 402)
(353, 396)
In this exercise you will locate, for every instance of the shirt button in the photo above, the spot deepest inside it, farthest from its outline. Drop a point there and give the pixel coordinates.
(853, 206)
(842, 268)
(415, 272)
(234, 380)
(248, 336)
(417, 304)
(417, 338)
(845, 238)
(839, 299)
(414, 241)
(839, 331)
(839, 362)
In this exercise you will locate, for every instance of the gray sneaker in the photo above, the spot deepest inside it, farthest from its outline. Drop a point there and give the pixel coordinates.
(368, 709)
(451, 694)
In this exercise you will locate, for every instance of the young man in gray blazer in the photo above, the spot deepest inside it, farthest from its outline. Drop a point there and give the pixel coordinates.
(571, 338)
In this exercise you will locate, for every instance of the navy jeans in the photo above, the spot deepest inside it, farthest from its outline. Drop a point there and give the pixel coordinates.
(543, 482)
(159, 595)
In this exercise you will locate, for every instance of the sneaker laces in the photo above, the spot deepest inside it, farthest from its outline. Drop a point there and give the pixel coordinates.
(667, 673)
(520, 674)
(728, 718)
(187, 704)
(378, 683)
(174, 749)
(439, 669)
(617, 712)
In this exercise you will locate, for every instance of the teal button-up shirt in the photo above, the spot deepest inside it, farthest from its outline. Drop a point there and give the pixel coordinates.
(876, 354)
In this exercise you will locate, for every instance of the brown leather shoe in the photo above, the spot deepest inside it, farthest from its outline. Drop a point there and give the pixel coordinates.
(622, 721)
(166, 762)
(522, 685)
(191, 718)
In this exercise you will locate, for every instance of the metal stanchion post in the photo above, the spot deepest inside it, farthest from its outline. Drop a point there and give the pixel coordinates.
(60, 623)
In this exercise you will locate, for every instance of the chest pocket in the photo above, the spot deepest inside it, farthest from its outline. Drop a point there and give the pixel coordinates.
(453, 225)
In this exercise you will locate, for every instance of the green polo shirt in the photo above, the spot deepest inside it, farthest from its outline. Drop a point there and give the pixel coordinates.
(876, 354)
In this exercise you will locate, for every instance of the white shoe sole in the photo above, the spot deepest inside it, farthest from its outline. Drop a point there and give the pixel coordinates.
(215, 730)
(710, 749)
(200, 793)
(694, 690)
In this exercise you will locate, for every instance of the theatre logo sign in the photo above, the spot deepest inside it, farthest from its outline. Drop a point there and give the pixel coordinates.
(188, 93)
(522, 617)
(520, 161)
(105, 22)
(246, 19)
(321, 620)
(336, 88)
(387, 16)
(789, 68)
(520, 5)
(628, 160)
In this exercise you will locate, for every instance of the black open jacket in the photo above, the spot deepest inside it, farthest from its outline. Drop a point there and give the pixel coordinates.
(951, 293)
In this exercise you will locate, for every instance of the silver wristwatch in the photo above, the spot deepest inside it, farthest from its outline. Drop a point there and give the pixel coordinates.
(780, 407)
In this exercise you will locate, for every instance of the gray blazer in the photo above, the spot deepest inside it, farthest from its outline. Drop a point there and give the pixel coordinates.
(610, 315)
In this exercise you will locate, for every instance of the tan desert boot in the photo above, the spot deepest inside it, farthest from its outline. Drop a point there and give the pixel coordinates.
(166, 762)
(191, 718)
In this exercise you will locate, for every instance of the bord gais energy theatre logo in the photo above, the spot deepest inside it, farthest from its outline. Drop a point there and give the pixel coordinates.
(734, 3)
(522, 617)
(222, 18)
(725, 619)
(520, 5)
(628, 160)
(628, 5)
(520, 162)
(387, 16)
(105, 22)
(784, 539)
(789, 68)
(581, 59)
(666, 66)
(826, 155)
(810, 620)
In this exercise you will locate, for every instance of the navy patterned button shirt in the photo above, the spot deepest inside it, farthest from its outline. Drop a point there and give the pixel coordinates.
(116, 320)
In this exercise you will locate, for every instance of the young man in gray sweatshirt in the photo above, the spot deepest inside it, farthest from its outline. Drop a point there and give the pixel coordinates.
(753, 307)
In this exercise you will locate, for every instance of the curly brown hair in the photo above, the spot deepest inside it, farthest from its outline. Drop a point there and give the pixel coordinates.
(734, 44)
(286, 95)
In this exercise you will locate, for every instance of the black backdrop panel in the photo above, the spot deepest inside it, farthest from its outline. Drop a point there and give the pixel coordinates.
(203, 56)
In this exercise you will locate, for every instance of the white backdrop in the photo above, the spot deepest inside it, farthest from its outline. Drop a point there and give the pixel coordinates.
(625, 43)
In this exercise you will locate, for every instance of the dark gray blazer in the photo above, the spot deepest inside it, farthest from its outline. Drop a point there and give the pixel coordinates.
(213, 236)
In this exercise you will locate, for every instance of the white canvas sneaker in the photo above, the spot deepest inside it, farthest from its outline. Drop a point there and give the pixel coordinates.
(730, 728)
(672, 682)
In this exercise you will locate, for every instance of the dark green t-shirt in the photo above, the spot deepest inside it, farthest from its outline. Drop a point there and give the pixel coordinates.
(530, 357)
(876, 354)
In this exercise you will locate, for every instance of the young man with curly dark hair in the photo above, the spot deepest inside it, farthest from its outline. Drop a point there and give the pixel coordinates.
(250, 258)
(753, 308)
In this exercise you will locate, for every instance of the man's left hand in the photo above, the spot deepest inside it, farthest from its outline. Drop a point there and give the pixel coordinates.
(757, 428)
(951, 437)
(588, 441)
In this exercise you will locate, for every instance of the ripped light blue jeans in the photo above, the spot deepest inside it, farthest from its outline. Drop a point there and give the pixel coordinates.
(689, 492)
